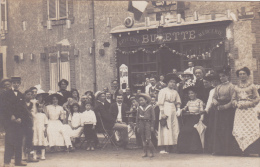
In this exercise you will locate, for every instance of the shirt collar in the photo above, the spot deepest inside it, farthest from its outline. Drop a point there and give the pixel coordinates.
(145, 108)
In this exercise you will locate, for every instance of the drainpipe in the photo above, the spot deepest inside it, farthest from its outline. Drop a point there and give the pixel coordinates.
(94, 47)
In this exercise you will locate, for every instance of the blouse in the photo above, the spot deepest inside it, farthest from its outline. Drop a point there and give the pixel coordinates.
(223, 94)
(247, 94)
(75, 119)
(170, 96)
(54, 112)
(194, 106)
(88, 117)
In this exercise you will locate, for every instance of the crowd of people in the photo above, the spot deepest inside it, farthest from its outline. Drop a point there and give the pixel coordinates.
(188, 112)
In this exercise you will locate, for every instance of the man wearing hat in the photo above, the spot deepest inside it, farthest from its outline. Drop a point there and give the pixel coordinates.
(13, 114)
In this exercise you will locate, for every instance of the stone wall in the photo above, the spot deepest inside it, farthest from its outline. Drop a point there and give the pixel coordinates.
(243, 45)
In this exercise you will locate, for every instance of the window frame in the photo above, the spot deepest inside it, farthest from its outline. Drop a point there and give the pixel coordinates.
(57, 8)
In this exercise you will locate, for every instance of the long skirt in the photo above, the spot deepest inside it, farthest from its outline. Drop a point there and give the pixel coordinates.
(189, 138)
(209, 135)
(223, 140)
(54, 134)
(169, 136)
(246, 127)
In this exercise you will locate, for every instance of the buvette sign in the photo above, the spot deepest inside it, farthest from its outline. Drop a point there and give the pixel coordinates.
(171, 35)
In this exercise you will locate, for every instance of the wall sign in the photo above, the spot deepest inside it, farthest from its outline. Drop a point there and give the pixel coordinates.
(173, 35)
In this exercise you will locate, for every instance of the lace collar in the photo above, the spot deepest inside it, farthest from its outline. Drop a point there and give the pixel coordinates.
(244, 85)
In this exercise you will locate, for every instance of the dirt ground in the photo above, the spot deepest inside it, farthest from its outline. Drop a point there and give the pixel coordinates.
(110, 157)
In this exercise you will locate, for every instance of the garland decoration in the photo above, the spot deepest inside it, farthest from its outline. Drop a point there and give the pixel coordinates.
(204, 55)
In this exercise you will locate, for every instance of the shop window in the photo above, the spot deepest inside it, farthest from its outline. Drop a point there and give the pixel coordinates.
(59, 69)
(3, 18)
(142, 64)
(57, 9)
(203, 54)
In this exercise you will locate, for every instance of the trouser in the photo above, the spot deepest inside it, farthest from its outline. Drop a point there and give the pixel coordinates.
(90, 134)
(13, 144)
(28, 134)
(123, 129)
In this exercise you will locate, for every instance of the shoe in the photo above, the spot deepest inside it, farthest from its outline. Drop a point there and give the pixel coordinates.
(145, 152)
(92, 148)
(151, 152)
(32, 160)
(20, 164)
(42, 158)
(164, 152)
(88, 149)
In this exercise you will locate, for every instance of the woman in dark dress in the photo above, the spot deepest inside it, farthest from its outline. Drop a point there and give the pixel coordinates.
(189, 138)
(200, 72)
(63, 84)
(223, 140)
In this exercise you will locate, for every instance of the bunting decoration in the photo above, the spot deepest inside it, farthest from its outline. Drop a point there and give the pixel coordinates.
(204, 55)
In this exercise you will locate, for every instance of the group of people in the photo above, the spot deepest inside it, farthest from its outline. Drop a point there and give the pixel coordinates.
(188, 112)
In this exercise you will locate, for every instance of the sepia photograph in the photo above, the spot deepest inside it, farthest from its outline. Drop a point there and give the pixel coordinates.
(122, 83)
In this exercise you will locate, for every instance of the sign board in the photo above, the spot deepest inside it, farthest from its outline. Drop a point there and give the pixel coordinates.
(171, 35)
(123, 75)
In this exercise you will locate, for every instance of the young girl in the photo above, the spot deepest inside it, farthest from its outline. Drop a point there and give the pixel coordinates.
(75, 123)
(189, 139)
(145, 122)
(40, 131)
(88, 120)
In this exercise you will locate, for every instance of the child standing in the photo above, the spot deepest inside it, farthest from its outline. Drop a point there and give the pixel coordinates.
(40, 131)
(145, 118)
(88, 120)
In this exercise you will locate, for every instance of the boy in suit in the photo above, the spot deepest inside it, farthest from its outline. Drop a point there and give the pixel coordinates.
(13, 114)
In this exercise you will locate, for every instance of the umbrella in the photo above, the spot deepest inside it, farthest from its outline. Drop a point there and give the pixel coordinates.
(201, 128)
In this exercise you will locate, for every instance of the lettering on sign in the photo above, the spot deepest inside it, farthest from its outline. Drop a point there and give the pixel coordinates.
(171, 35)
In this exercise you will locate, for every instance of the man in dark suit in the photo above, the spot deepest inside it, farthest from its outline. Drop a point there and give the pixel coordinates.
(13, 114)
(118, 111)
(127, 96)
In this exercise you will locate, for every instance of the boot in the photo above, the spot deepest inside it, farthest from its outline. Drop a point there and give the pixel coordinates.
(145, 151)
(43, 154)
(34, 154)
(30, 158)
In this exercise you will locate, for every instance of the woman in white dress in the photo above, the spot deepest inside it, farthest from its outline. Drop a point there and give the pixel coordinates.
(169, 103)
(56, 132)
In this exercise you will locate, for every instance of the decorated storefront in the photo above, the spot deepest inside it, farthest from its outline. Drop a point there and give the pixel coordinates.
(157, 49)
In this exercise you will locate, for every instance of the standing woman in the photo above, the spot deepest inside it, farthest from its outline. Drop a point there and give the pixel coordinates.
(169, 103)
(63, 84)
(224, 114)
(200, 72)
(246, 125)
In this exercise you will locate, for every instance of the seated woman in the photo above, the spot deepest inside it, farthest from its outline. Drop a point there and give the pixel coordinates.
(56, 132)
(189, 138)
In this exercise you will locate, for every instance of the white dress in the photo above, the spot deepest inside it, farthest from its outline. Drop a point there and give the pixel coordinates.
(167, 101)
(76, 122)
(40, 120)
(56, 132)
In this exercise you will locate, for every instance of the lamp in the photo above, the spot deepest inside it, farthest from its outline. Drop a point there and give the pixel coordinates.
(68, 23)
(21, 56)
(159, 36)
(31, 56)
(49, 24)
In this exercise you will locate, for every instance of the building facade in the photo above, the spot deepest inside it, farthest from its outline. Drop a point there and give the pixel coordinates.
(87, 42)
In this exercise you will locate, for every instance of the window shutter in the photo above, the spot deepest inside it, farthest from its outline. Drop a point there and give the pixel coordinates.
(52, 15)
(65, 67)
(3, 15)
(63, 9)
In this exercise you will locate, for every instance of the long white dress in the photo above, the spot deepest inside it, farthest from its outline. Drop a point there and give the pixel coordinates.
(40, 120)
(56, 132)
(167, 101)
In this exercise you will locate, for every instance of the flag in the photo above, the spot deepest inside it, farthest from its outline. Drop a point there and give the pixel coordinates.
(137, 7)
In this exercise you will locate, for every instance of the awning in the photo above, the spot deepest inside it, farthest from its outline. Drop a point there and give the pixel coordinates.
(155, 24)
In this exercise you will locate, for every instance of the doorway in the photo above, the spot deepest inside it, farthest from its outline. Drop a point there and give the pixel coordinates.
(169, 60)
